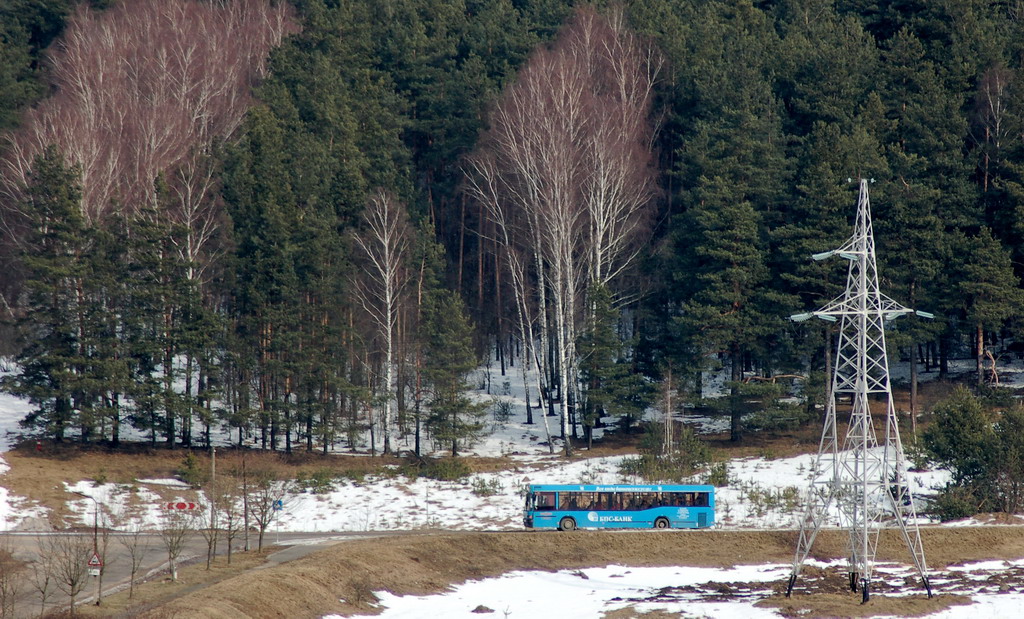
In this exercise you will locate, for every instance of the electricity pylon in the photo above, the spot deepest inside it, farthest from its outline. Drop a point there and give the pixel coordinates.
(866, 480)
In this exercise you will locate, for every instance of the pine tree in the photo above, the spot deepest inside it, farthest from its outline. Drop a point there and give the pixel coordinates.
(258, 192)
(142, 241)
(454, 419)
(26, 28)
(986, 286)
(817, 218)
(612, 387)
(727, 307)
(733, 168)
(827, 64)
(427, 262)
(929, 196)
(51, 363)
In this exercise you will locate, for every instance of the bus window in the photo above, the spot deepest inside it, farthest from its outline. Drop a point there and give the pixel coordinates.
(618, 501)
(573, 500)
(566, 500)
(631, 501)
(700, 499)
(645, 500)
(545, 500)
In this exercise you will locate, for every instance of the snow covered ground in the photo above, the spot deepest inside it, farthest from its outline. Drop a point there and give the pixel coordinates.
(686, 591)
(590, 593)
(762, 494)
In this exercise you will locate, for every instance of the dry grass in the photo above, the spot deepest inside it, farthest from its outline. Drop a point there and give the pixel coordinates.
(824, 605)
(341, 579)
(40, 475)
(150, 595)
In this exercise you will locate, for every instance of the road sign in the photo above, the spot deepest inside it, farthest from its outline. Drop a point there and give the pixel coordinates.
(95, 561)
(94, 572)
(181, 505)
(279, 505)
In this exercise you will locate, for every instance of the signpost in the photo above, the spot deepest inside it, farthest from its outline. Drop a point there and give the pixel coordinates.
(278, 506)
(94, 563)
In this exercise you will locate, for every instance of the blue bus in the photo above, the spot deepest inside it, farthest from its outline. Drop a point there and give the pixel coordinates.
(568, 507)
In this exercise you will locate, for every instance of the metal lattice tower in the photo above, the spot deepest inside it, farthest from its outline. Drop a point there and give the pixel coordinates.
(865, 479)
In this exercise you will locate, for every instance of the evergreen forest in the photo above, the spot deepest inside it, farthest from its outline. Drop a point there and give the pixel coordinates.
(307, 222)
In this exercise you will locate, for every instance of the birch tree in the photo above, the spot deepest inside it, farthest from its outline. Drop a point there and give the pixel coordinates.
(142, 88)
(484, 183)
(231, 521)
(567, 164)
(383, 246)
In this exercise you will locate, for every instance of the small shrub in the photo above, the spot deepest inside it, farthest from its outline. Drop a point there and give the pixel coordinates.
(634, 467)
(502, 411)
(447, 469)
(780, 416)
(687, 454)
(521, 489)
(356, 477)
(362, 592)
(918, 457)
(486, 487)
(765, 500)
(953, 503)
(994, 396)
(653, 469)
(718, 474)
(411, 470)
(441, 469)
(320, 481)
(192, 472)
(590, 474)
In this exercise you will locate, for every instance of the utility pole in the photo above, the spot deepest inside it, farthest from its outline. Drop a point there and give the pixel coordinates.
(868, 482)
(95, 542)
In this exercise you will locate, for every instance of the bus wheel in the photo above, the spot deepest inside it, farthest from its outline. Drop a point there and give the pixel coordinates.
(661, 523)
(567, 524)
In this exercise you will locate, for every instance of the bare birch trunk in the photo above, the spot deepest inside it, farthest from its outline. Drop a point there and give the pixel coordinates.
(384, 248)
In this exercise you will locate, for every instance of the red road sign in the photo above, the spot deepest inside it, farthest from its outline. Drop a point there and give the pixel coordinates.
(181, 505)
(95, 561)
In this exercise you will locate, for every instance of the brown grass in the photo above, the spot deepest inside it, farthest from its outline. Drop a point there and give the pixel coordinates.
(39, 475)
(824, 605)
(150, 595)
(341, 579)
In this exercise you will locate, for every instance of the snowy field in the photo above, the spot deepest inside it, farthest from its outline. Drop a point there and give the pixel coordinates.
(684, 591)
(761, 495)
